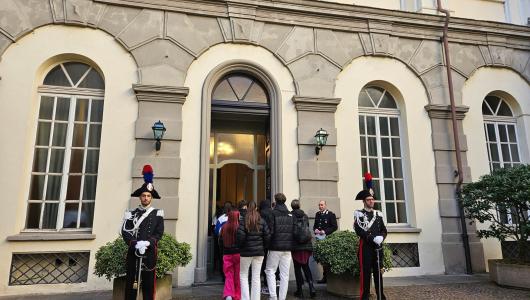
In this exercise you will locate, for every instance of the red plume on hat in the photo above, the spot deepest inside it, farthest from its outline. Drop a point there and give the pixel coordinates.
(147, 172)
(368, 182)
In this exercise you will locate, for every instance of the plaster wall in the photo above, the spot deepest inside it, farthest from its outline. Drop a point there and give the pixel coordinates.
(418, 158)
(22, 69)
(490, 10)
(191, 133)
(483, 82)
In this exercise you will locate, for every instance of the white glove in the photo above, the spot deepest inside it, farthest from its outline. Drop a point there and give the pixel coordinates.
(141, 246)
(378, 240)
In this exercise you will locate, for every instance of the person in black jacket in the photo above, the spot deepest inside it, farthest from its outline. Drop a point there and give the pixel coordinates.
(370, 227)
(279, 256)
(325, 224)
(142, 228)
(265, 212)
(253, 236)
(301, 253)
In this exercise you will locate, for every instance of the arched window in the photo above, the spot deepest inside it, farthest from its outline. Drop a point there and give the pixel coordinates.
(65, 161)
(240, 88)
(501, 133)
(381, 153)
(501, 140)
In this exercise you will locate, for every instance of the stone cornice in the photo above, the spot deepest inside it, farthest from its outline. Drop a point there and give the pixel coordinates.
(158, 93)
(316, 104)
(347, 17)
(440, 111)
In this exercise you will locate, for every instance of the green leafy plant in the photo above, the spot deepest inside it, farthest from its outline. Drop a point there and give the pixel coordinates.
(110, 258)
(494, 196)
(338, 251)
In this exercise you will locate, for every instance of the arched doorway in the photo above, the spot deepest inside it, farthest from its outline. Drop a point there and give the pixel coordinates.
(239, 166)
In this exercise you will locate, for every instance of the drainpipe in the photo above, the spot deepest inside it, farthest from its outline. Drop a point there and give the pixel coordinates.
(459, 172)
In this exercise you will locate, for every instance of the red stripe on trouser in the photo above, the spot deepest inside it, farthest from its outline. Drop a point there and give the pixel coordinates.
(361, 265)
(154, 271)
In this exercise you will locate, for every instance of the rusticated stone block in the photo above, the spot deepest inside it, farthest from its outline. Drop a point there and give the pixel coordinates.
(195, 33)
(300, 42)
(314, 75)
(116, 18)
(273, 35)
(341, 47)
(146, 26)
(428, 56)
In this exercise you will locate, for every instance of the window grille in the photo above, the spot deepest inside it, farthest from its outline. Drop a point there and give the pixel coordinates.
(510, 250)
(49, 268)
(404, 255)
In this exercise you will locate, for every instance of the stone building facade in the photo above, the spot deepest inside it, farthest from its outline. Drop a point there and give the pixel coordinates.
(316, 62)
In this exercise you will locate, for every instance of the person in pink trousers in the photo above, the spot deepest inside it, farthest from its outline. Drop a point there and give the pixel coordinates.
(227, 240)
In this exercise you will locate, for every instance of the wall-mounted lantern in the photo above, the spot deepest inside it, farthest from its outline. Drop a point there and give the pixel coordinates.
(321, 138)
(158, 133)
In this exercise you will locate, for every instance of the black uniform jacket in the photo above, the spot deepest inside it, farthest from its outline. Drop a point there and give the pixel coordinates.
(377, 228)
(151, 229)
(326, 221)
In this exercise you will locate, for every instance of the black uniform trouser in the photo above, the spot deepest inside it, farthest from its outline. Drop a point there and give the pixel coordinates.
(368, 265)
(147, 282)
(298, 268)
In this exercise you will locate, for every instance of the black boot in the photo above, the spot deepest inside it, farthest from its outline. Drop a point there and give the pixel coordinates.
(298, 293)
(312, 291)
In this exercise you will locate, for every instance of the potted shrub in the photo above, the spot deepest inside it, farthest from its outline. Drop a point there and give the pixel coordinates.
(338, 252)
(110, 263)
(495, 199)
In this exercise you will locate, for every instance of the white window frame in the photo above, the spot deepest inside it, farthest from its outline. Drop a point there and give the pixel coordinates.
(73, 93)
(386, 112)
(506, 121)
(417, 5)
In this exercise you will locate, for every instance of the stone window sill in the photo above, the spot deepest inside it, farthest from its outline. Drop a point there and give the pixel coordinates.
(403, 229)
(51, 236)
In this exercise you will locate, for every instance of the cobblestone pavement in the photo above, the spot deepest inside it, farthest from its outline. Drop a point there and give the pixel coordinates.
(467, 291)
(459, 287)
(483, 290)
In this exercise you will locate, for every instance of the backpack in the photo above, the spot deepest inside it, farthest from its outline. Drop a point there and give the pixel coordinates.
(301, 231)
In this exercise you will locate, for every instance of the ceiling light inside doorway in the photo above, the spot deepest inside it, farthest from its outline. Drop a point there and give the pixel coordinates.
(224, 148)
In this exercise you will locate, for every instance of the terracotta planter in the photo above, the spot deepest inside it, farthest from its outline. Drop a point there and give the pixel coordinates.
(163, 288)
(510, 275)
(344, 285)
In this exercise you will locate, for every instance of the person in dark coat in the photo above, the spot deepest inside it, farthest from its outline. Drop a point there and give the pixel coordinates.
(253, 236)
(370, 227)
(265, 211)
(142, 228)
(325, 224)
(301, 253)
(279, 256)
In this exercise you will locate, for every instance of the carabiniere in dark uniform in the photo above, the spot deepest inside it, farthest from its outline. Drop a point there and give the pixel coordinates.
(142, 228)
(370, 227)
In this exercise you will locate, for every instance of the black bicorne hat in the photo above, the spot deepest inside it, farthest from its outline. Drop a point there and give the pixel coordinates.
(147, 172)
(363, 195)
